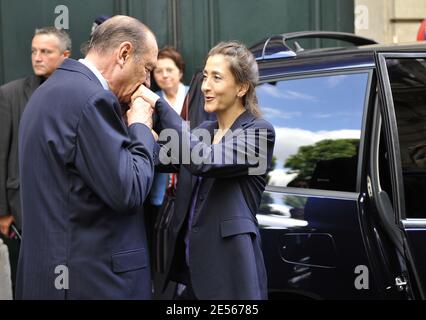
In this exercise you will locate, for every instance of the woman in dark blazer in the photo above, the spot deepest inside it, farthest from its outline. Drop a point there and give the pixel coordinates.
(215, 242)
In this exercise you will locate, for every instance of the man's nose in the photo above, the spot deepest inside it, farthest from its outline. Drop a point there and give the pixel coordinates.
(37, 56)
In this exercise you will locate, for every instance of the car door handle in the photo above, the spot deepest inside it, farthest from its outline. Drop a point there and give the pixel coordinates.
(401, 283)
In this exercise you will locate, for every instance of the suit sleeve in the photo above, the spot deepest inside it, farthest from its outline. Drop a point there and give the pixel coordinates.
(117, 163)
(245, 151)
(165, 166)
(5, 136)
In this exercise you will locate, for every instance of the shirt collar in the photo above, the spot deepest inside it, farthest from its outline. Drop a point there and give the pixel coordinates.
(96, 72)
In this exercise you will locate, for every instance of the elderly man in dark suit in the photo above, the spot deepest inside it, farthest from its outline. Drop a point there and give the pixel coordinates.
(49, 48)
(85, 172)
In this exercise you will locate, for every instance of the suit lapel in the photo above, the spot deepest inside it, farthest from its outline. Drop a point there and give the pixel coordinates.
(31, 84)
(212, 125)
(239, 123)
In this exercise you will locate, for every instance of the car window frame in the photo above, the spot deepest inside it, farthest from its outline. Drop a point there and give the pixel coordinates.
(404, 225)
(389, 122)
(369, 70)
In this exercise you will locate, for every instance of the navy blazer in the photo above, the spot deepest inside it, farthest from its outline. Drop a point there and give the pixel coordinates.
(84, 177)
(225, 256)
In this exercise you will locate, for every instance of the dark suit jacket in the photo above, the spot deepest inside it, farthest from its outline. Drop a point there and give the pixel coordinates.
(225, 260)
(13, 98)
(84, 177)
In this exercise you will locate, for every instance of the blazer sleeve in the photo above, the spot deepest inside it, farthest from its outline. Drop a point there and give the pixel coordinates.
(164, 167)
(5, 137)
(116, 162)
(247, 151)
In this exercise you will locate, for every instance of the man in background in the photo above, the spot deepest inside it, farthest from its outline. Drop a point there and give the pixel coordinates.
(49, 48)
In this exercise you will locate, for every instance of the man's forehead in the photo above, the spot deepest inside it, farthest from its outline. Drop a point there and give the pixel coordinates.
(45, 39)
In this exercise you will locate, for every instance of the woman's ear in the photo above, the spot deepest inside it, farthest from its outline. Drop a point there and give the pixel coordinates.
(243, 90)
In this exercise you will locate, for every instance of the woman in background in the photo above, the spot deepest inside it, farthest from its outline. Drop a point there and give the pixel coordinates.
(168, 75)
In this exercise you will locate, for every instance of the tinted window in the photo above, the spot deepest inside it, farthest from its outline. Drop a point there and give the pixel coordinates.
(318, 128)
(408, 83)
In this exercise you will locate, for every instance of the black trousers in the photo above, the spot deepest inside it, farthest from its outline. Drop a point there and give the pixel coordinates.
(184, 289)
(184, 292)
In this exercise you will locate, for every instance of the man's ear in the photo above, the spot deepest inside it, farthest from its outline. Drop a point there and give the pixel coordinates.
(66, 53)
(124, 51)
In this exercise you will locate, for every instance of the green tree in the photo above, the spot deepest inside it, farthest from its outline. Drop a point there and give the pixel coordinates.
(304, 161)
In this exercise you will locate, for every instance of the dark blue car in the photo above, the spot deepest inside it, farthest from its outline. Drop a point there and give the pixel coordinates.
(344, 213)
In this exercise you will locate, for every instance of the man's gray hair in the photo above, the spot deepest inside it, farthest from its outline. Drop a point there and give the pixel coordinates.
(62, 35)
(118, 29)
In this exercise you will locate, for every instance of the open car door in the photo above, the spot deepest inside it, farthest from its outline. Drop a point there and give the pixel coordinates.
(402, 90)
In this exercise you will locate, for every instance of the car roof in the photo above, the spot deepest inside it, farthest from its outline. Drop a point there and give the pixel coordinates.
(276, 57)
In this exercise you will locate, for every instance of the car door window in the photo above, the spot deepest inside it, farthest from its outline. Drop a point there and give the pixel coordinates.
(318, 123)
(407, 77)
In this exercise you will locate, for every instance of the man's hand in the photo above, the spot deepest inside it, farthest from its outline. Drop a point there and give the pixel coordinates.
(5, 222)
(140, 112)
(146, 94)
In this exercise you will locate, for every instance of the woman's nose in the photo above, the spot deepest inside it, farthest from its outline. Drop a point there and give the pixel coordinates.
(205, 86)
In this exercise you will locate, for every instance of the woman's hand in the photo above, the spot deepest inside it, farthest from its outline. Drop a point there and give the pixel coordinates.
(140, 111)
(146, 94)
